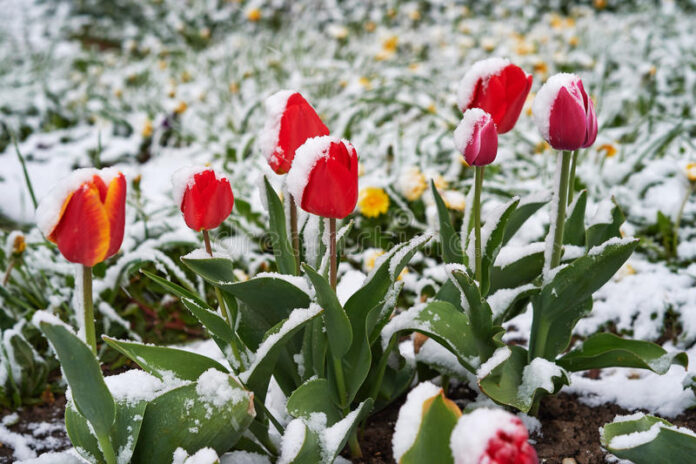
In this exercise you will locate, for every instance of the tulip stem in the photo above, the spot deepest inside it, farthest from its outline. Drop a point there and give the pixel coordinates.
(677, 221)
(88, 312)
(294, 234)
(560, 202)
(107, 448)
(478, 186)
(571, 182)
(332, 252)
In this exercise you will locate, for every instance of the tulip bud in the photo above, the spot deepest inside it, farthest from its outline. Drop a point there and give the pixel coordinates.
(493, 436)
(291, 120)
(204, 196)
(564, 114)
(85, 215)
(476, 137)
(324, 177)
(498, 87)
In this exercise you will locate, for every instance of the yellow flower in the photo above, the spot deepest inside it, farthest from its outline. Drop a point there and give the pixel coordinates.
(454, 200)
(488, 44)
(181, 107)
(253, 15)
(415, 15)
(412, 183)
(523, 46)
(204, 33)
(528, 103)
(414, 66)
(432, 109)
(573, 41)
(390, 43)
(186, 76)
(541, 68)
(147, 128)
(542, 147)
(365, 82)
(234, 87)
(691, 171)
(370, 26)
(600, 4)
(240, 275)
(370, 259)
(440, 182)
(361, 169)
(19, 244)
(162, 64)
(373, 201)
(608, 149)
(559, 22)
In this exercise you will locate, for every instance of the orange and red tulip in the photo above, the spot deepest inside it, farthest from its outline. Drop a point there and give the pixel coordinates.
(204, 196)
(85, 215)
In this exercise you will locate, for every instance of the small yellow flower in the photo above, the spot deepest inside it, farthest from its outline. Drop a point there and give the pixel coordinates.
(440, 182)
(412, 183)
(390, 43)
(415, 15)
(186, 77)
(524, 46)
(19, 244)
(541, 147)
(373, 201)
(162, 64)
(625, 271)
(118, 93)
(414, 66)
(528, 103)
(652, 71)
(573, 41)
(691, 171)
(370, 259)
(147, 128)
(181, 107)
(488, 44)
(559, 22)
(608, 149)
(253, 15)
(365, 82)
(370, 26)
(361, 169)
(454, 200)
(541, 68)
(600, 4)
(204, 33)
(240, 275)
(234, 87)
(343, 83)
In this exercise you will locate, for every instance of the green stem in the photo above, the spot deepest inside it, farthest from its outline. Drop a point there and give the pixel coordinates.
(478, 185)
(294, 234)
(677, 220)
(8, 271)
(561, 202)
(354, 444)
(571, 182)
(26, 173)
(88, 313)
(107, 449)
(340, 381)
(381, 368)
(332, 251)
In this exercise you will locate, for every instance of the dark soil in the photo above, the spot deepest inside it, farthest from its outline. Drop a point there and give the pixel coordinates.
(570, 429)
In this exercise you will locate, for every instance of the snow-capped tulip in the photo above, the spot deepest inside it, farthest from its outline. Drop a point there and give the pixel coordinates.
(324, 177)
(291, 120)
(498, 87)
(85, 215)
(564, 114)
(476, 137)
(491, 436)
(204, 196)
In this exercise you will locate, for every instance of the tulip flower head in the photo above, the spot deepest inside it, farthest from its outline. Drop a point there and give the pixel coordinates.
(204, 196)
(85, 215)
(291, 121)
(491, 436)
(476, 137)
(498, 87)
(564, 114)
(324, 177)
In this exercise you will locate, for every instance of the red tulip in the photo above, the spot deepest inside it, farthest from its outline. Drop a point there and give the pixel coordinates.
(291, 121)
(491, 436)
(324, 177)
(85, 215)
(564, 114)
(498, 87)
(204, 196)
(476, 137)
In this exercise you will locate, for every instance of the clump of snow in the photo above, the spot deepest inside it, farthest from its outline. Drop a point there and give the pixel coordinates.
(410, 417)
(465, 130)
(545, 98)
(499, 356)
(134, 386)
(49, 318)
(49, 210)
(268, 137)
(481, 70)
(404, 320)
(538, 374)
(470, 437)
(184, 178)
(510, 254)
(501, 300)
(243, 457)
(292, 442)
(297, 281)
(631, 440)
(214, 387)
(202, 456)
(332, 437)
(349, 284)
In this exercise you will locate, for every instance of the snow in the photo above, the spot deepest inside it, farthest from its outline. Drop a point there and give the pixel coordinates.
(268, 137)
(538, 374)
(481, 70)
(202, 456)
(510, 253)
(545, 98)
(332, 436)
(64, 457)
(306, 157)
(297, 281)
(49, 318)
(473, 431)
(499, 356)
(404, 320)
(465, 130)
(243, 457)
(500, 301)
(134, 386)
(214, 387)
(350, 283)
(631, 440)
(50, 207)
(184, 178)
(292, 442)
(410, 417)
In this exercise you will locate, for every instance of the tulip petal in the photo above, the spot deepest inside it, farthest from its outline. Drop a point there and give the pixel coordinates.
(518, 85)
(115, 207)
(207, 201)
(567, 122)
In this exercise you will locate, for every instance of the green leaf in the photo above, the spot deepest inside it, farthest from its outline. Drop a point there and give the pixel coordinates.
(334, 438)
(568, 296)
(282, 248)
(507, 303)
(648, 440)
(23, 358)
(527, 206)
(192, 417)
(608, 350)
(574, 229)
(162, 361)
(314, 396)
(338, 329)
(432, 443)
(521, 271)
(81, 370)
(309, 452)
(449, 240)
(600, 232)
(492, 239)
(442, 322)
(511, 381)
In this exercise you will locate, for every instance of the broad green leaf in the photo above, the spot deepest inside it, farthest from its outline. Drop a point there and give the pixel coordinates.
(648, 440)
(442, 322)
(282, 248)
(523, 270)
(492, 239)
(507, 303)
(574, 230)
(432, 443)
(568, 296)
(162, 361)
(338, 330)
(194, 416)
(23, 358)
(449, 240)
(81, 370)
(527, 206)
(608, 350)
(509, 380)
(600, 232)
(313, 396)
(309, 452)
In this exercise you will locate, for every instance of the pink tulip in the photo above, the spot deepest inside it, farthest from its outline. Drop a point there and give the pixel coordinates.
(564, 113)
(476, 137)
